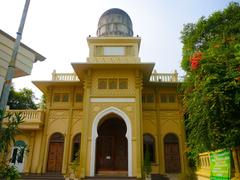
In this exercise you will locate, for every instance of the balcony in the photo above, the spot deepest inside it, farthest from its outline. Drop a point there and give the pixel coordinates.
(155, 77)
(64, 76)
(33, 119)
(165, 77)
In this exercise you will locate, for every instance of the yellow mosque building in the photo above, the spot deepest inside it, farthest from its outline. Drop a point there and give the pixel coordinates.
(106, 114)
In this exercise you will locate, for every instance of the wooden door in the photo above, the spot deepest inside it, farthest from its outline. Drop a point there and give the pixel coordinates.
(172, 159)
(112, 149)
(105, 153)
(121, 154)
(55, 157)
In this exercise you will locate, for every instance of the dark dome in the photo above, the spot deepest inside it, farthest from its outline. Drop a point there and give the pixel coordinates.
(115, 22)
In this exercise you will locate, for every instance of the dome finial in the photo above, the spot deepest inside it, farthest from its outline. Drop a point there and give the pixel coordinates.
(115, 22)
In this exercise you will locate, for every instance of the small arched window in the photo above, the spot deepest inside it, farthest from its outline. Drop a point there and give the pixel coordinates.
(149, 145)
(18, 152)
(76, 146)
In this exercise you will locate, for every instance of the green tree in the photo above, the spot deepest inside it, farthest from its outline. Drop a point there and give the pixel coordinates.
(147, 168)
(211, 59)
(42, 104)
(23, 99)
(8, 130)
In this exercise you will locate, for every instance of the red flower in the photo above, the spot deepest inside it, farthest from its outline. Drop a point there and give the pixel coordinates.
(194, 65)
(197, 56)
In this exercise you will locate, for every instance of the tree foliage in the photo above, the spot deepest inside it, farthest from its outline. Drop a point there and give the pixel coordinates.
(22, 99)
(147, 168)
(8, 130)
(212, 84)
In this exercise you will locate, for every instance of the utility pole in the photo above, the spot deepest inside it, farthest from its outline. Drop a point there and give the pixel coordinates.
(11, 66)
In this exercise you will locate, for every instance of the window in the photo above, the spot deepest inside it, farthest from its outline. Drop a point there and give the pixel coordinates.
(61, 97)
(102, 83)
(123, 83)
(163, 98)
(148, 98)
(57, 97)
(79, 97)
(113, 51)
(149, 145)
(18, 152)
(76, 146)
(112, 83)
(64, 97)
(168, 98)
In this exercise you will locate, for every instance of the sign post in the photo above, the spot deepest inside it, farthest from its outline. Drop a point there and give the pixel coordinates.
(220, 165)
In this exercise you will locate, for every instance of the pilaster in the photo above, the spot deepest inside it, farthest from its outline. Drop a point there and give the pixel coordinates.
(42, 159)
(139, 138)
(31, 148)
(86, 107)
(159, 141)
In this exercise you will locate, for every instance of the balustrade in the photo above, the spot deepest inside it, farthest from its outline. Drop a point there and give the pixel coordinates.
(32, 119)
(155, 77)
(64, 76)
(164, 77)
(204, 169)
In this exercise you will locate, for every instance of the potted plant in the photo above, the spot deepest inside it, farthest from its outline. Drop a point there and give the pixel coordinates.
(147, 168)
(74, 167)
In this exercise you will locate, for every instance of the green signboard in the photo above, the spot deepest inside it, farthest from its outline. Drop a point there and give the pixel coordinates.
(220, 164)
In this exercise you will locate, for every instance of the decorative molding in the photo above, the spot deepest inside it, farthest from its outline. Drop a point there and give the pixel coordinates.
(112, 100)
(96, 121)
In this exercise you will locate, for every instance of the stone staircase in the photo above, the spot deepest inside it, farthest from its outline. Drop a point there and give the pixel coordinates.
(159, 177)
(54, 176)
(110, 178)
(45, 176)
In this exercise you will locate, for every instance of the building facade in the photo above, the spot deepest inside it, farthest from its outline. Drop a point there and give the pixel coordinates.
(108, 113)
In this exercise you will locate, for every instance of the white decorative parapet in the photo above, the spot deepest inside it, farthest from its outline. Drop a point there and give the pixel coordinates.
(32, 119)
(155, 77)
(64, 76)
(165, 77)
(204, 160)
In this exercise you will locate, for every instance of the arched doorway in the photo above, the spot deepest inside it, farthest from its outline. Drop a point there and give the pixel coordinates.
(171, 154)
(55, 153)
(18, 153)
(100, 117)
(112, 147)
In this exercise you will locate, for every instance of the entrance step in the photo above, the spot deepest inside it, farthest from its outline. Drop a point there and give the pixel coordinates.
(112, 173)
(45, 176)
(159, 177)
(110, 178)
(173, 176)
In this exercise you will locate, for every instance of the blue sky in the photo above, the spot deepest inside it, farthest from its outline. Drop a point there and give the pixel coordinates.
(58, 29)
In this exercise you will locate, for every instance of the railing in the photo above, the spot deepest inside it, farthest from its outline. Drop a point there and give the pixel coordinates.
(33, 119)
(165, 77)
(64, 76)
(204, 164)
(155, 77)
(204, 161)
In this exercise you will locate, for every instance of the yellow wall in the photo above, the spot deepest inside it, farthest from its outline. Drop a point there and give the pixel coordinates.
(157, 118)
